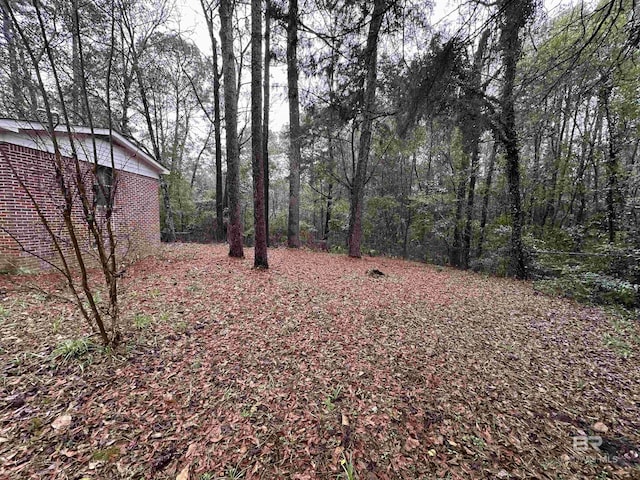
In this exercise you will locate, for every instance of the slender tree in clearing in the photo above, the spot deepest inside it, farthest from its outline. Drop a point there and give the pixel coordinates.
(208, 14)
(293, 226)
(234, 230)
(360, 175)
(265, 122)
(260, 257)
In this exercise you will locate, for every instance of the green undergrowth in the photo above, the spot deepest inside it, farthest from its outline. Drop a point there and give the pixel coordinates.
(590, 288)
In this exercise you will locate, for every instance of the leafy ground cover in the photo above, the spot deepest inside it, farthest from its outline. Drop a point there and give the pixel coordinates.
(319, 368)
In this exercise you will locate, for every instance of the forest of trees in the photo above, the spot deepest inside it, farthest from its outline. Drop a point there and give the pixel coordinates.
(503, 139)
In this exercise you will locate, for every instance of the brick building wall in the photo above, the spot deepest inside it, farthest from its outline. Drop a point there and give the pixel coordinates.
(136, 217)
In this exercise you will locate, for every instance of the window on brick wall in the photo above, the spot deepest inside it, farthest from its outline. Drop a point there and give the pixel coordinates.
(103, 185)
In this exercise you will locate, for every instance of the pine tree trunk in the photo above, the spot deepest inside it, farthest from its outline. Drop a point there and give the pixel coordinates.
(208, 14)
(265, 122)
(293, 226)
(234, 230)
(260, 250)
(360, 175)
(218, 142)
(329, 206)
(332, 159)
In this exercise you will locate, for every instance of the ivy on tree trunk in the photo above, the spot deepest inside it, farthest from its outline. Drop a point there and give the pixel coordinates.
(515, 16)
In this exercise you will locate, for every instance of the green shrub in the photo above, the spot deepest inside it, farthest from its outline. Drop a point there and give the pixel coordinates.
(611, 290)
(566, 286)
(589, 287)
(338, 249)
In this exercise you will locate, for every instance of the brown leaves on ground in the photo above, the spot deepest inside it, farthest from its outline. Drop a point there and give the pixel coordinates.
(315, 366)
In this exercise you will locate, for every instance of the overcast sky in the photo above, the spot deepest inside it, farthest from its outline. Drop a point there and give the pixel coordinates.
(194, 26)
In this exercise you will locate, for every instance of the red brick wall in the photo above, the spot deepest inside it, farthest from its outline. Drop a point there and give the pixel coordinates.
(136, 217)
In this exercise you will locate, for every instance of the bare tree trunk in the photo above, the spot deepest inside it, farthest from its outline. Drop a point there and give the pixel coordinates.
(234, 230)
(225, 196)
(556, 157)
(611, 165)
(124, 119)
(461, 187)
(127, 85)
(265, 121)
(407, 209)
(471, 138)
(293, 226)
(169, 225)
(485, 199)
(589, 158)
(196, 164)
(106, 247)
(260, 250)
(218, 142)
(30, 83)
(208, 14)
(332, 154)
(329, 207)
(175, 163)
(360, 175)
(76, 114)
(467, 233)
